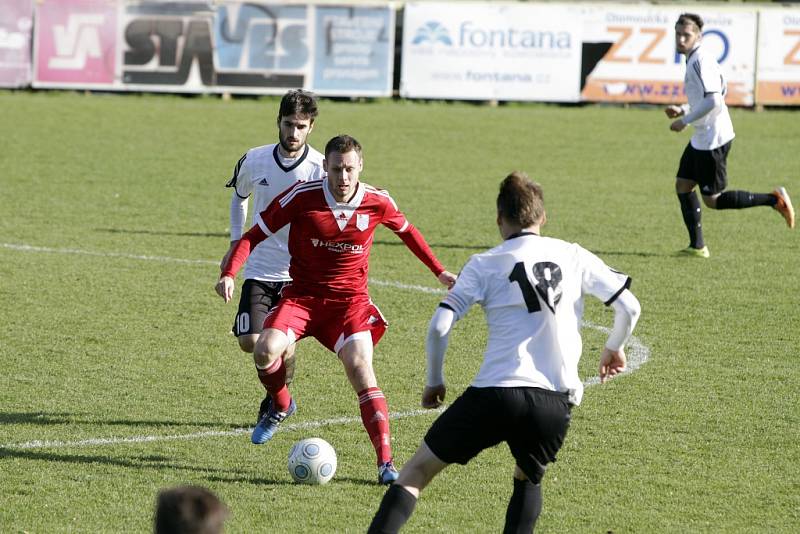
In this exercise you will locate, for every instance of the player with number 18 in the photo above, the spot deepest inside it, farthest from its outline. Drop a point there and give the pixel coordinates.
(531, 289)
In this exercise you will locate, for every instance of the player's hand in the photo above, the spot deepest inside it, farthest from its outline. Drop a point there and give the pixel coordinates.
(447, 279)
(612, 363)
(673, 111)
(677, 125)
(224, 288)
(433, 396)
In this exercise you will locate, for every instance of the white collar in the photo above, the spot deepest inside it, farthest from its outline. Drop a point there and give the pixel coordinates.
(347, 206)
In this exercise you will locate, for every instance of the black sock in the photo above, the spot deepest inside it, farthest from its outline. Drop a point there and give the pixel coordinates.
(395, 509)
(690, 208)
(736, 200)
(523, 507)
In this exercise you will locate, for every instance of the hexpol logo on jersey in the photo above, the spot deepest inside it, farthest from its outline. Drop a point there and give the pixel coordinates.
(339, 246)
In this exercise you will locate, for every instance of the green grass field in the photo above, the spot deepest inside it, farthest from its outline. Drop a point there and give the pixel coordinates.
(113, 216)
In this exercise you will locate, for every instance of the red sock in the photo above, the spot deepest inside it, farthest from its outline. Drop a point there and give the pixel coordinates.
(274, 379)
(375, 416)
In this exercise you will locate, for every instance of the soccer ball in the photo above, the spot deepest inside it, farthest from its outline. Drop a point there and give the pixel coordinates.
(312, 461)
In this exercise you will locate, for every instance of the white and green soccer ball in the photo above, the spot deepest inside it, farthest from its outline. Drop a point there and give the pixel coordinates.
(312, 461)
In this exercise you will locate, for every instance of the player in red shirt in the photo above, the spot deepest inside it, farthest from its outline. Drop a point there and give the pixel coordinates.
(333, 222)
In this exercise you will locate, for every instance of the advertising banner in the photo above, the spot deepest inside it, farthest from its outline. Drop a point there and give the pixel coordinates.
(75, 43)
(778, 77)
(477, 51)
(171, 46)
(215, 46)
(354, 50)
(16, 24)
(629, 53)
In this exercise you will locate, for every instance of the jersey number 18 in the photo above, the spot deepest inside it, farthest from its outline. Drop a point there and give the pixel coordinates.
(548, 278)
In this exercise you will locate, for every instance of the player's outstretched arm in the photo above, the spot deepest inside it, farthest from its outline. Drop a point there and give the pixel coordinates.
(416, 243)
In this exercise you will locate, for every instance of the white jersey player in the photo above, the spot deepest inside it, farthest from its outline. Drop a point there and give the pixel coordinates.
(531, 289)
(262, 174)
(704, 160)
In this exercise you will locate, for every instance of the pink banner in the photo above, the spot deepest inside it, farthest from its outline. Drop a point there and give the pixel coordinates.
(75, 42)
(16, 22)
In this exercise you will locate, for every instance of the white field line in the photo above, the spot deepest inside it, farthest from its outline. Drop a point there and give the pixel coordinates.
(166, 259)
(199, 435)
(638, 353)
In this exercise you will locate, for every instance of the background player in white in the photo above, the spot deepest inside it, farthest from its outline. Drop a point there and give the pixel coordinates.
(531, 289)
(704, 160)
(333, 224)
(263, 173)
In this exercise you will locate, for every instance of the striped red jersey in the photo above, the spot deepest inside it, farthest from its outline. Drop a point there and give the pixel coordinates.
(330, 241)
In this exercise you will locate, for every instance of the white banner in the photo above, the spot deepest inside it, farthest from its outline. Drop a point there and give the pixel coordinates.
(778, 80)
(491, 52)
(634, 51)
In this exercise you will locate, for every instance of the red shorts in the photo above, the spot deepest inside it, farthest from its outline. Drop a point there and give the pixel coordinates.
(333, 322)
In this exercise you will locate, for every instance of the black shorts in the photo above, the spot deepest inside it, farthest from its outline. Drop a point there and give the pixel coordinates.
(532, 421)
(257, 299)
(709, 168)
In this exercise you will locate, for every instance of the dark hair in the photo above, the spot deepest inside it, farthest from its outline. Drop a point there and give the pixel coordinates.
(520, 200)
(342, 144)
(690, 18)
(189, 510)
(298, 102)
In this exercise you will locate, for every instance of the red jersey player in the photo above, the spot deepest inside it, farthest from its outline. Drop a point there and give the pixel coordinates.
(332, 226)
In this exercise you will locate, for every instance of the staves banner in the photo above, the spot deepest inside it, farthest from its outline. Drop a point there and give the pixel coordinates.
(201, 47)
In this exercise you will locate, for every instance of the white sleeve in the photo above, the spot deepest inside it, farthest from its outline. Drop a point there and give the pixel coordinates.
(709, 102)
(240, 181)
(238, 216)
(626, 313)
(467, 291)
(710, 74)
(242, 188)
(436, 344)
(600, 280)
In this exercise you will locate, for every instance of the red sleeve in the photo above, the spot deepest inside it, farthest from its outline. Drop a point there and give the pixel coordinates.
(414, 241)
(392, 218)
(241, 251)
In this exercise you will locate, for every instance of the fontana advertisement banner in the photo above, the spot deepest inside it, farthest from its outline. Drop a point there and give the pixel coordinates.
(491, 52)
(629, 53)
(202, 47)
(778, 80)
(16, 24)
